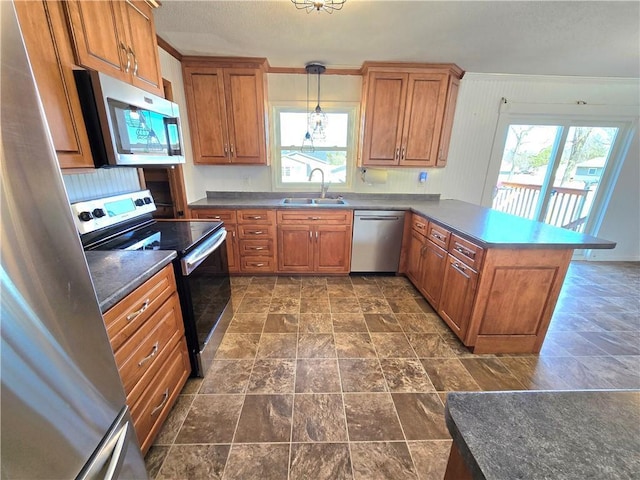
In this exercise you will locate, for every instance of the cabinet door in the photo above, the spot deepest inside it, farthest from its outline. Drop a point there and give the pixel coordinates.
(144, 46)
(384, 113)
(434, 262)
(244, 98)
(447, 125)
(204, 88)
(99, 37)
(49, 47)
(295, 248)
(426, 96)
(458, 293)
(414, 262)
(332, 248)
(232, 248)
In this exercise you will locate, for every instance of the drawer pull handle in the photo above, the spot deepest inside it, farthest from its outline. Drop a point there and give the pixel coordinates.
(258, 264)
(256, 232)
(256, 248)
(435, 235)
(133, 315)
(154, 350)
(215, 217)
(465, 252)
(313, 218)
(420, 225)
(165, 397)
(255, 217)
(457, 266)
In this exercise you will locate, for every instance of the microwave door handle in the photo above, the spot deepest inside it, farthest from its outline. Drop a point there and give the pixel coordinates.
(172, 121)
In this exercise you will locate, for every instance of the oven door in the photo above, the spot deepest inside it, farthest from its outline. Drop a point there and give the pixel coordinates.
(205, 292)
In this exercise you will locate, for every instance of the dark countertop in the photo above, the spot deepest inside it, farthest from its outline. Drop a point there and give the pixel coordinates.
(485, 226)
(115, 274)
(547, 435)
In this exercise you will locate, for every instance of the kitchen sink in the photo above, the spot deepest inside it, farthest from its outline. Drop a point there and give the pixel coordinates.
(297, 201)
(329, 201)
(313, 201)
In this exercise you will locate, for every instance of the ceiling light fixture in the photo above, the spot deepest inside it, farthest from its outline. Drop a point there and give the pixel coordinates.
(317, 119)
(326, 5)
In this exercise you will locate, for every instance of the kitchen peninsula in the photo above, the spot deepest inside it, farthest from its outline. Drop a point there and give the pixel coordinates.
(494, 278)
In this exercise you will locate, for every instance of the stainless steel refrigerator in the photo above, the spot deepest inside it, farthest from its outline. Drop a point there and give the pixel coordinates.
(63, 411)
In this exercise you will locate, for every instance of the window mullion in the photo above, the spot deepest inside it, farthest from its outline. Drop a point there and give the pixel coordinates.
(547, 184)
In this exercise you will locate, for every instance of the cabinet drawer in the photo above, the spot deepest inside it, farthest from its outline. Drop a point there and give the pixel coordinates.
(148, 345)
(312, 216)
(123, 319)
(261, 217)
(247, 232)
(468, 252)
(226, 216)
(153, 406)
(419, 224)
(262, 247)
(257, 264)
(438, 235)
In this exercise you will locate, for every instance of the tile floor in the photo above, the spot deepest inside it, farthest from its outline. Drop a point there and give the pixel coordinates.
(345, 378)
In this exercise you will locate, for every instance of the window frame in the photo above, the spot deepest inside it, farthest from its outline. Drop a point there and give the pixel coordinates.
(350, 108)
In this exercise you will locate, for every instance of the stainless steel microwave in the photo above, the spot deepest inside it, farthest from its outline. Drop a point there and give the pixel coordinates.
(126, 125)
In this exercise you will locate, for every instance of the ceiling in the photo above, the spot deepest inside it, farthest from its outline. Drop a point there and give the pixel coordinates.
(584, 38)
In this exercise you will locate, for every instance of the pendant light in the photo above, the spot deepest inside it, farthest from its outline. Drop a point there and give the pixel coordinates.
(317, 118)
(307, 141)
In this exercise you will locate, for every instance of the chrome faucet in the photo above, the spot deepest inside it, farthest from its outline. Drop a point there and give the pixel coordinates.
(323, 189)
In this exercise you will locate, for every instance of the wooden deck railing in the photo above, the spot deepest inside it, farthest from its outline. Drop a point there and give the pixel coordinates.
(566, 205)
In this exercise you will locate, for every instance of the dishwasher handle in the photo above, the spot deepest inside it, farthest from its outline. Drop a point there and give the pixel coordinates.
(379, 218)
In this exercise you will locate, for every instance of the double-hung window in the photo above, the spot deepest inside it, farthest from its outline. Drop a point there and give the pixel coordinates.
(299, 148)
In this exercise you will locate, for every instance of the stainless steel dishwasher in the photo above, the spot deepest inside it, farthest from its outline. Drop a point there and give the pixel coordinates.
(377, 240)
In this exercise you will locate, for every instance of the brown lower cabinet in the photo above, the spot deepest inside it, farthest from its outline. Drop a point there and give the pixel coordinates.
(495, 299)
(147, 336)
(314, 242)
(458, 292)
(286, 240)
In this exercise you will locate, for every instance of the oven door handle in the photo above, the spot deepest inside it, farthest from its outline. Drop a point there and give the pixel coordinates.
(190, 262)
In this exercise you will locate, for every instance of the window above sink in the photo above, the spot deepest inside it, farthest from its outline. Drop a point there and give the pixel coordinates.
(334, 155)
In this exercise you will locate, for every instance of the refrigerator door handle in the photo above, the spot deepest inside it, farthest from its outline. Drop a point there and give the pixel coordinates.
(117, 457)
(109, 459)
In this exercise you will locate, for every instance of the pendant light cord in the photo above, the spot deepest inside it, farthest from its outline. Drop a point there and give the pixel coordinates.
(318, 105)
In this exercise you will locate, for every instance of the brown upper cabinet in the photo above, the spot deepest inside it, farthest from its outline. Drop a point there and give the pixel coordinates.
(117, 38)
(226, 110)
(407, 113)
(51, 56)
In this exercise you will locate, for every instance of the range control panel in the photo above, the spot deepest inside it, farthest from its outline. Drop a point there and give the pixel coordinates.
(95, 214)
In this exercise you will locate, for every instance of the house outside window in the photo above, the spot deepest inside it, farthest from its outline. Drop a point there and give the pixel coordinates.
(294, 158)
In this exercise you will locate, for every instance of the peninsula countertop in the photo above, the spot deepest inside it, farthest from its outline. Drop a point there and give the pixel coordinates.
(488, 227)
(117, 273)
(547, 435)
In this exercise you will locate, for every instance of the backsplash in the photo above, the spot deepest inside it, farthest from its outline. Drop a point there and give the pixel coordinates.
(102, 182)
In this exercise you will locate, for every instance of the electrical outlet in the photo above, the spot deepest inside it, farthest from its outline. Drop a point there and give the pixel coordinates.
(423, 177)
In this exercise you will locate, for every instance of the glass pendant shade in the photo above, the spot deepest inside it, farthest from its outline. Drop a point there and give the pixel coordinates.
(317, 118)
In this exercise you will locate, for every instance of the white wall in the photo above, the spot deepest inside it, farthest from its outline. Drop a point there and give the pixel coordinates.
(472, 138)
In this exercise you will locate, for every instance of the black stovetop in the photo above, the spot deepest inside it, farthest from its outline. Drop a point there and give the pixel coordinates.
(169, 235)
